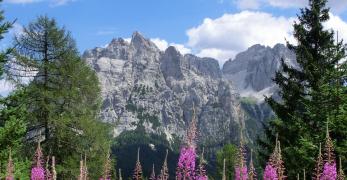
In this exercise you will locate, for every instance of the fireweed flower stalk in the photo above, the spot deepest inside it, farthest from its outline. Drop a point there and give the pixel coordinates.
(48, 173)
(138, 168)
(37, 171)
(270, 172)
(341, 174)
(186, 162)
(153, 177)
(319, 165)
(201, 171)
(274, 169)
(164, 172)
(241, 167)
(329, 168)
(107, 168)
(329, 171)
(252, 175)
(10, 168)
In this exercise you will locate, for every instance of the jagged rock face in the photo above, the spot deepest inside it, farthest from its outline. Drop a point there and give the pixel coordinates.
(252, 71)
(143, 87)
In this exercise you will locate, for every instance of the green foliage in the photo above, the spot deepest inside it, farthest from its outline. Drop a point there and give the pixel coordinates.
(310, 94)
(248, 100)
(12, 132)
(63, 98)
(229, 153)
(152, 150)
(4, 28)
(142, 115)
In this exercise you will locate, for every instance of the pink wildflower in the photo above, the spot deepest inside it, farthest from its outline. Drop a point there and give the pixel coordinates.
(329, 172)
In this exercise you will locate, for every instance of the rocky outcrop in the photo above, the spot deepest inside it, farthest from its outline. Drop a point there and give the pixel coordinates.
(143, 87)
(252, 71)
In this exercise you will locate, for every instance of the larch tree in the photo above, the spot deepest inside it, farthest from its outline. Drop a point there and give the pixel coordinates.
(62, 96)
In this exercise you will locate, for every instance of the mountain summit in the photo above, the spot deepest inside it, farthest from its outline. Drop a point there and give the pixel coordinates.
(145, 88)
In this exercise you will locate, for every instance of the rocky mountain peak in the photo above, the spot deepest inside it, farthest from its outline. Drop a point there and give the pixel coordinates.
(118, 42)
(252, 71)
(145, 88)
(172, 51)
(140, 42)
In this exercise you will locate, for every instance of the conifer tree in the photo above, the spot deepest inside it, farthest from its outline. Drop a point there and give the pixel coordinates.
(12, 121)
(229, 152)
(63, 95)
(308, 95)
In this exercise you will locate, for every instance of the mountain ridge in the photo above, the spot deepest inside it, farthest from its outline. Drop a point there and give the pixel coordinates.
(143, 87)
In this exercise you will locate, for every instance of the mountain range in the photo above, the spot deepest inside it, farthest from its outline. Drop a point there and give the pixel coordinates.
(155, 91)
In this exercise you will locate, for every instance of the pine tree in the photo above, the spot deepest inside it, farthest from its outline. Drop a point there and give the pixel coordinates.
(308, 92)
(63, 96)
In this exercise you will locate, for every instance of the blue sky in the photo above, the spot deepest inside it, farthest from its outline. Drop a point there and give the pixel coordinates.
(212, 28)
(95, 22)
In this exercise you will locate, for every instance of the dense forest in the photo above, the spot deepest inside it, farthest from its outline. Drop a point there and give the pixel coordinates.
(50, 126)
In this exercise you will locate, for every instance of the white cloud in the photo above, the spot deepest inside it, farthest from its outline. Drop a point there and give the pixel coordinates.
(337, 24)
(220, 55)
(17, 29)
(160, 43)
(181, 48)
(337, 6)
(163, 45)
(248, 4)
(127, 40)
(60, 2)
(225, 36)
(5, 87)
(53, 3)
(288, 4)
(222, 38)
(21, 1)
